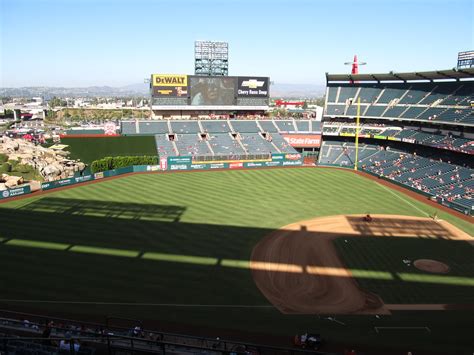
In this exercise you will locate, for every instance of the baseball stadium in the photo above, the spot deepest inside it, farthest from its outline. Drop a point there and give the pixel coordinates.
(245, 234)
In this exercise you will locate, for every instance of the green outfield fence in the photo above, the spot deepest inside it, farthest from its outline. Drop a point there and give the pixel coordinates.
(184, 163)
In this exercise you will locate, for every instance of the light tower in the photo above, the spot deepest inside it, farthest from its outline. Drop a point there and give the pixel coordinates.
(355, 70)
(211, 58)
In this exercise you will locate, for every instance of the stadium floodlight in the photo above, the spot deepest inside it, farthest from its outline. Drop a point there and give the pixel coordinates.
(211, 58)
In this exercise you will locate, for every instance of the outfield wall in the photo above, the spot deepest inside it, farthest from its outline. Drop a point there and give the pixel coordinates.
(166, 165)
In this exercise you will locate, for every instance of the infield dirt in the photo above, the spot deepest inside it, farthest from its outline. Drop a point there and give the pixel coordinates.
(299, 271)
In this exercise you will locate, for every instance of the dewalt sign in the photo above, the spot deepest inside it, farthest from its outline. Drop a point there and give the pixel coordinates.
(169, 80)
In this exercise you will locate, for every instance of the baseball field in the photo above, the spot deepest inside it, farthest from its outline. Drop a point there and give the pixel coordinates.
(269, 252)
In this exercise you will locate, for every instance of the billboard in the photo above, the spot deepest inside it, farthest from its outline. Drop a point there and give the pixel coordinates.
(208, 91)
(169, 80)
(169, 85)
(248, 86)
(303, 140)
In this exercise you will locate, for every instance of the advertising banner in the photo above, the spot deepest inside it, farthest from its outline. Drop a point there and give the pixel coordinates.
(58, 183)
(169, 80)
(219, 165)
(179, 166)
(15, 192)
(273, 163)
(303, 140)
(179, 160)
(208, 91)
(248, 86)
(169, 89)
(254, 165)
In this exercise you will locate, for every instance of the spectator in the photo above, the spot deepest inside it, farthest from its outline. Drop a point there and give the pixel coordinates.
(68, 344)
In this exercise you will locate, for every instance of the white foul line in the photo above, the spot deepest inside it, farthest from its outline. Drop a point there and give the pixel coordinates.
(141, 304)
(403, 199)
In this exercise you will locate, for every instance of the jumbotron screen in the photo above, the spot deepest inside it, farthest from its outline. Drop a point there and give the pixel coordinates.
(209, 91)
(193, 90)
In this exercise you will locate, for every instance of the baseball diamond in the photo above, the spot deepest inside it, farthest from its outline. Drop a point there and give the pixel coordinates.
(277, 250)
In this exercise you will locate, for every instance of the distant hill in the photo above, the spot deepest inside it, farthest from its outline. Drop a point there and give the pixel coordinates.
(277, 91)
(297, 90)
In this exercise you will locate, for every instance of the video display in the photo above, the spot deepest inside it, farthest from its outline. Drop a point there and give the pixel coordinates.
(207, 91)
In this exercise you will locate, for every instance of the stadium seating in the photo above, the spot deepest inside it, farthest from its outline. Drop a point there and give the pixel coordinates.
(215, 126)
(191, 145)
(223, 145)
(255, 144)
(164, 146)
(285, 126)
(268, 126)
(248, 126)
(152, 127)
(185, 127)
(447, 101)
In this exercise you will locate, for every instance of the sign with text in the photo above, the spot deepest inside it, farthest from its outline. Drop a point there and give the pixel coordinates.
(251, 86)
(303, 140)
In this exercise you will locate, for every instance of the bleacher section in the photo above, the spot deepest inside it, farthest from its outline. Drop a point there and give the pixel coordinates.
(443, 101)
(220, 138)
(191, 145)
(223, 144)
(255, 144)
(185, 127)
(452, 183)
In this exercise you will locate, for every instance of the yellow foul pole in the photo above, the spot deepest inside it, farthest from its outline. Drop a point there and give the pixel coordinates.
(357, 135)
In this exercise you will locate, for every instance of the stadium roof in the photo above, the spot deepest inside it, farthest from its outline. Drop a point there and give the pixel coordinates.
(412, 76)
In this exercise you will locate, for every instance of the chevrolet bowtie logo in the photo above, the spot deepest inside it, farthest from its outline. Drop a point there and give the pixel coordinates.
(253, 83)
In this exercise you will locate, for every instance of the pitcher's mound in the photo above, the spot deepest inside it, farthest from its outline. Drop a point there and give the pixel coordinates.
(433, 266)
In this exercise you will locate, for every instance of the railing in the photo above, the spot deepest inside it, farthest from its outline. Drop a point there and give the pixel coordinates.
(115, 338)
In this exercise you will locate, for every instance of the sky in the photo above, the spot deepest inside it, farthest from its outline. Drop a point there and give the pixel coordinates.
(117, 43)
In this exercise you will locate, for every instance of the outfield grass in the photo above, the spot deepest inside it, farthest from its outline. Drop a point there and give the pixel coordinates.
(90, 149)
(158, 240)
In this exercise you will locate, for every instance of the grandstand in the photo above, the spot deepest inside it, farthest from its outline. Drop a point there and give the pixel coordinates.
(223, 139)
(399, 114)
(435, 100)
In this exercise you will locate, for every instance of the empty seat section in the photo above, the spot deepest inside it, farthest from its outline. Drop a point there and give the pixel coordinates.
(245, 126)
(254, 143)
(191, 144)
(303, 126)
(128, 127)
(224, 144)
(282, 144)
(332, 94)
(369, 94)
(285, 126)
(268, 126)
(413, 112)
(185, 127)
(375, 111)
(394, 111)
(335, 110)
(215, 126)
(164, 146)
(347, 92)
(392, 92)
(153, 127)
